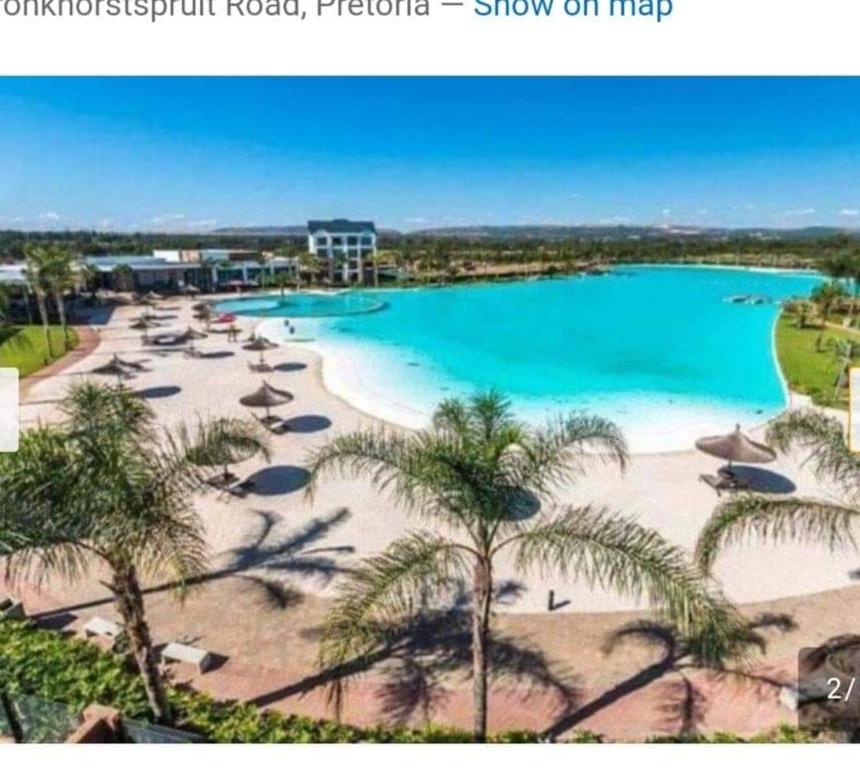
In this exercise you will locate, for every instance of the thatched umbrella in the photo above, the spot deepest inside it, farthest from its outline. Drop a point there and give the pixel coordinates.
(190, 336)
(144, 324)
(737, 447)
(129, 364)
(113, 368)
(266, 397)
(202, 306)
(261, 345)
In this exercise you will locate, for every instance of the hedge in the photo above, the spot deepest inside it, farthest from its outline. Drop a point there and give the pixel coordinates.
(44, 663)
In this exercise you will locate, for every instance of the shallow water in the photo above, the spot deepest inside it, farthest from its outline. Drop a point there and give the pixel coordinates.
(659, 350)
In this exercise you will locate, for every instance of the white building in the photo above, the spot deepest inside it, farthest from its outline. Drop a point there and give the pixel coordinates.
(349, 246)
(13, 275)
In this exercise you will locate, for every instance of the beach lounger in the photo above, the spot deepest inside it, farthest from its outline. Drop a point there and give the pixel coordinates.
(187, 654)
(222, 480)
(99, 627)
(240, 490)
(273, 424)
(724, 484)
(11, 609)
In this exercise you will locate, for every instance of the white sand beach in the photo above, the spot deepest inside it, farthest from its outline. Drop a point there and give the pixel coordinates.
(281, 534)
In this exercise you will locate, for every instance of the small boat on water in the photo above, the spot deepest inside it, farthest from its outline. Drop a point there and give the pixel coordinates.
(749, 300)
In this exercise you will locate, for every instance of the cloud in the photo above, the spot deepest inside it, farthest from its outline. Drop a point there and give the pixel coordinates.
(200, 224)
(799, 213)
(415, 220)
(49, 216)
(850, 213)
(166, 218)
(179, 222)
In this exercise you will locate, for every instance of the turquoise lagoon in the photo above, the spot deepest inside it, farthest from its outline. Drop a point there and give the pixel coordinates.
(660, 350)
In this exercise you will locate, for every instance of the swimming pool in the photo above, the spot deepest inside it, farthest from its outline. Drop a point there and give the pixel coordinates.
(303, 305)
(662, 351)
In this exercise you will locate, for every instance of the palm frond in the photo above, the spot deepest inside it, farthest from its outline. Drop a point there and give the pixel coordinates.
(99, 407)
(104, 484)
(222, 441)
(386, 590)
(451, 416)
(489, 412)
(423, 472)
(824, 439)
(35, 482)
(776, 520)
(613, 552)
(563, 450)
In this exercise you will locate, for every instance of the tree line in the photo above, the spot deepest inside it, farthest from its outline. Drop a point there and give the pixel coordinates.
(440, 249)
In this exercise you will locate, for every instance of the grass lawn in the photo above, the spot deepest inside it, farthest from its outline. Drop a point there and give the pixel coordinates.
(24, 348)
(808, 370)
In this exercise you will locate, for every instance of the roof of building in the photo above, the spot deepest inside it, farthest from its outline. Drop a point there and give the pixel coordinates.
(134, 261)
(340, 226)
(12, 274)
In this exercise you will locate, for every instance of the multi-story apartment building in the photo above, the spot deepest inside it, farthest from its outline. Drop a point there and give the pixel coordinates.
(349, 246)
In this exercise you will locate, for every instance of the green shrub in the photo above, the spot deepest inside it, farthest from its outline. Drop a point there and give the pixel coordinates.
(784, 734)
(75, 672)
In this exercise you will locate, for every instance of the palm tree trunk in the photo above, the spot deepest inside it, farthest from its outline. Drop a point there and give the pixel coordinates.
(43, 314)
(856, 291)
(61, 311)
(482, 593)
(129, 603)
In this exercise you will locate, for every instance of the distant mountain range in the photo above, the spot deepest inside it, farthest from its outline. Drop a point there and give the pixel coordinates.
(560, 232)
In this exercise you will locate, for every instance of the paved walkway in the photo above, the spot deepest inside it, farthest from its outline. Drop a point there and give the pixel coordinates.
(88, 340)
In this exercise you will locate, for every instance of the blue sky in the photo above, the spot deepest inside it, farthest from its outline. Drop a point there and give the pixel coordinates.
(192, 154)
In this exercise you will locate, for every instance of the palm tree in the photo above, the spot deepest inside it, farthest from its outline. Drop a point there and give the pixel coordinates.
(375, 261)
(123, 276)
(481, 477)
(59, 270)
(225, 441)
(106, 486)
(815, 521)
(843, 352)
(825, 296)
(90, 278)
(38, 282)
(845, 266)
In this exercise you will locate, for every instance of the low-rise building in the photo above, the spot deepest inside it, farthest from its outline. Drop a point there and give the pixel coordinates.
(174, 271)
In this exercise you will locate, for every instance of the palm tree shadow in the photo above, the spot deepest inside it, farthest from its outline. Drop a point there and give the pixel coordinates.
(421, 656)
(685, 707)
(270, 551)
(262, 562)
